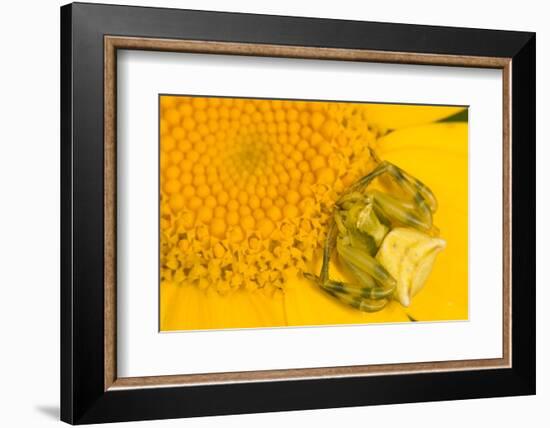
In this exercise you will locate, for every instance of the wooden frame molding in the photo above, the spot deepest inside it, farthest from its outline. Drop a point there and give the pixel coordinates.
(113, 43)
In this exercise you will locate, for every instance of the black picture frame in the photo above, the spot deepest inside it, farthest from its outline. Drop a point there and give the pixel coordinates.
(83, 395)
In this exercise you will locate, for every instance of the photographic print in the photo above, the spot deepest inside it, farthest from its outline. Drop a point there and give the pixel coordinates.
(277, 213)
(257, 195)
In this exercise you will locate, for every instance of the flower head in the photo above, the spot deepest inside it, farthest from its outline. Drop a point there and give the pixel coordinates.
(247, 186)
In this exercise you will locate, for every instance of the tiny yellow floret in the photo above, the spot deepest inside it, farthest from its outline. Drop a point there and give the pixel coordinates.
(247, 185)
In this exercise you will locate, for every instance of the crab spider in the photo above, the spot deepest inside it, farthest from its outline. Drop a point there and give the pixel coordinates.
(361, 221)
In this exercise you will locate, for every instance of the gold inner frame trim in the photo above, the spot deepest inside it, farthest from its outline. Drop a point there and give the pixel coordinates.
(113, 43)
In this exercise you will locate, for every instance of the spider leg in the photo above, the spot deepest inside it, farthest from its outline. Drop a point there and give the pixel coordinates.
(368, 287)
(366, 264)
(330, 243)
(345, 294)
(408, 182)
(361, 184)
(415, 185)
(417, 212)
(368, 296)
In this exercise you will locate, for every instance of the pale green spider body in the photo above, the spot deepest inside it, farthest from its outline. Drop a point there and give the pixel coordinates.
(362, 220)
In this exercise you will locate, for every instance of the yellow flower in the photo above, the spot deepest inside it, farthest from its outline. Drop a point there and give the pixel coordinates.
(247, 189)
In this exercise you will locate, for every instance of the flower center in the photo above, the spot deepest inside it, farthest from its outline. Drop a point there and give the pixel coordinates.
(247, 186)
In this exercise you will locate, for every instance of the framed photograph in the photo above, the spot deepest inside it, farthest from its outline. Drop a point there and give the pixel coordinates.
(265, 213)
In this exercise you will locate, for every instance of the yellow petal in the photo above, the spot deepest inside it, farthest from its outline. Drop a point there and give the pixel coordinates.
(437, 154)
(397, 116)
(187, 307)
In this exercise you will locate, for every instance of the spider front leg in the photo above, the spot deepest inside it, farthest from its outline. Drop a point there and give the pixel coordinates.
(365, 299)
(348, 295)
(363, 264)
(413, 211)
(410, 184)
(366, 295)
